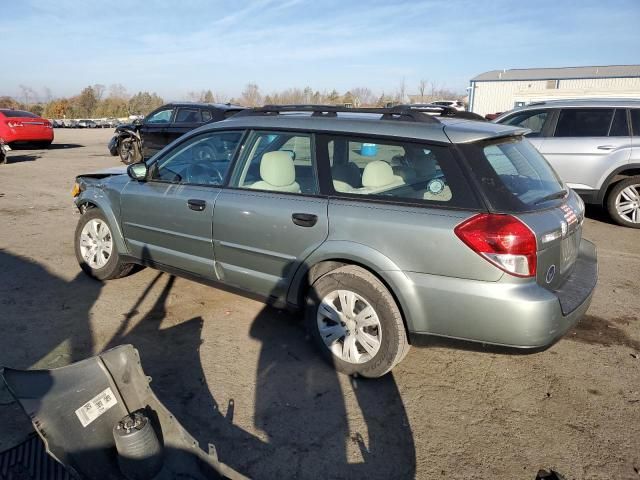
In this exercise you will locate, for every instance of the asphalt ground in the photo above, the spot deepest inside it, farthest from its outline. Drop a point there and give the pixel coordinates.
(246, 377)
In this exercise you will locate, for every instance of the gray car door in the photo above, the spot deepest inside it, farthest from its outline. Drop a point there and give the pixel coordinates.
(270, 218)
(168, 218)
(587, 145)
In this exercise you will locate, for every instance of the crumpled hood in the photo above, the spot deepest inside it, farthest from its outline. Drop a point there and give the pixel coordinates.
(107, 172)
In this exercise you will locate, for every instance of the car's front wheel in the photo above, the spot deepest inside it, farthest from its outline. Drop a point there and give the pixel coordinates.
(95, 248)
(623, 202)
(355, 322)
(129, 151)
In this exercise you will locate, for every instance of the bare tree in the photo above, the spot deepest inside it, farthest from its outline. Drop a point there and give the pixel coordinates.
(28, 94)
(362, 96)
(251, 96)
(401, 93)
(47, 96)
(117, 90)
(98, 90)
(422, 88)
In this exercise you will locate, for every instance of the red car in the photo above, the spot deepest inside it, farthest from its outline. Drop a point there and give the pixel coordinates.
(18, 126)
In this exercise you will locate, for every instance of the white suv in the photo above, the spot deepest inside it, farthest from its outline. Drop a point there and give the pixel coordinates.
(595, 147)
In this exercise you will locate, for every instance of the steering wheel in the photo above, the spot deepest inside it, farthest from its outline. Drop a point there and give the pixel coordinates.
(204, 174)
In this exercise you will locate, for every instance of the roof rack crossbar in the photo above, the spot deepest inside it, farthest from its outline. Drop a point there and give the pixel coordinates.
(399, 112)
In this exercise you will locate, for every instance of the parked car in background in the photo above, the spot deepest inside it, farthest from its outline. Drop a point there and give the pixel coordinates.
(18, 126)
(594, 144)
(306, 205)
(57, 123)
(143, 138)
(86, 123)
(457, 104)
(492, 116)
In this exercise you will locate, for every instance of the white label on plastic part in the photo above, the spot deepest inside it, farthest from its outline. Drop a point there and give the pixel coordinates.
(96, 407)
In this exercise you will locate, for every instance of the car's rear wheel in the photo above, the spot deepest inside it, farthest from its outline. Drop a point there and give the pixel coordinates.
(355, 322)
(95, 248)
(129, 151)
(623, 202)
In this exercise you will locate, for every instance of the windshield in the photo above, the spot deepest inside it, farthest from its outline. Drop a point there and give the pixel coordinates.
(514, 176)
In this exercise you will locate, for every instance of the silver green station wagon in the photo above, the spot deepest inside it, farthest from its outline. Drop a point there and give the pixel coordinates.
(382, 225)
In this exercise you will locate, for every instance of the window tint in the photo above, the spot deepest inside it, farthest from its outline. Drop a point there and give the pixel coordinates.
(163, 116)
(203, 160)
(279, 162)
(206, 115)
(401, 171)
(619, 126)
(584, 122)
(512, 174)
(533, 120)
(188, 115)
(635, 121)
(18, 114)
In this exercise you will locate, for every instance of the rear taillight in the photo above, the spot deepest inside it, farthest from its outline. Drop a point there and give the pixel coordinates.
(14, 123)
(47, 124)
(502, 240)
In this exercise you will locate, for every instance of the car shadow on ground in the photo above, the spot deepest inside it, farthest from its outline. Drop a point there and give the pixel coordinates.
(598, 213)
(11, 158)
(35, 146)
(301, 406)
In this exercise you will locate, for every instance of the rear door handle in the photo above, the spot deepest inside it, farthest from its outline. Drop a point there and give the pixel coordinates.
(606, 147)
(197, 205)
(304, 219)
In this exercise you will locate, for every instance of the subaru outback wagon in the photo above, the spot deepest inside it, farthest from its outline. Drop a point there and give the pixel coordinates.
(594, 144)
(381, 224)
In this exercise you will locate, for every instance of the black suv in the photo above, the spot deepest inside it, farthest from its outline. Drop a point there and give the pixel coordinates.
(142, 139)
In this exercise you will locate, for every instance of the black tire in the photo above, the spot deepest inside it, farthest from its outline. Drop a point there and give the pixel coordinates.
(613, 196)
(115, 267)
(394, 344)
(129, 151)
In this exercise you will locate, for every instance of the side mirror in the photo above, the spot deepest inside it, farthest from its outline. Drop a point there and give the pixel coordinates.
(137, 122)
(138, 171)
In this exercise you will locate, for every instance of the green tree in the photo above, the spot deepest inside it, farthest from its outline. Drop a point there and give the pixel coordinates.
(143, 103)
(87, 102)
(208, 97)
(8, 102)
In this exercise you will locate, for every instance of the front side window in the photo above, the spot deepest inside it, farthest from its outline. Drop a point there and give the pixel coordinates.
(513, 175)
(584, 122)
(188, 115)
(533, 120)
(202, 160)
(278, 162)
(163, 116)
(400, 171)
(206, 115)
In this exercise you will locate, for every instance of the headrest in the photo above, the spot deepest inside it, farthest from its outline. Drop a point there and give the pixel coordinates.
(377, 174)
(277, 169)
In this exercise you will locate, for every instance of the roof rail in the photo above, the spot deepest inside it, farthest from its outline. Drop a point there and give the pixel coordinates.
(400, 112)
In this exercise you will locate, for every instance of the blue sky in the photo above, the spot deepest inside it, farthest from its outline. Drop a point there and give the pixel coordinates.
(173, 47)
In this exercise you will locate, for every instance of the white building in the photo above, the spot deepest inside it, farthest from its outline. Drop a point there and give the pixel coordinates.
(502, 90)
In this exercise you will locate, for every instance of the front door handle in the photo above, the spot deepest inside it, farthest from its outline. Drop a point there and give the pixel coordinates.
(197, 205)
(304, 219)
(606, 147)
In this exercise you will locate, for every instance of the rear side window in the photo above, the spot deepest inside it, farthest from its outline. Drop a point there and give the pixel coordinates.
(18, 114)
(512, 174)
(584, 122)
(619, 127)
(635, 121)
(533, 119)
(206, 115)
(188, 115)
(394, 171)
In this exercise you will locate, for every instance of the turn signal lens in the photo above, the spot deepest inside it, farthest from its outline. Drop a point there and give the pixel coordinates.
(502, 240)
(75, 191)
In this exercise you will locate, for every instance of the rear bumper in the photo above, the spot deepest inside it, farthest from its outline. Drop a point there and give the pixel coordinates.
(520, 315)
(28, 135)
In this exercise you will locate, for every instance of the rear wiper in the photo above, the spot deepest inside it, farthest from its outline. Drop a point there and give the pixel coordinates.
(552, 196)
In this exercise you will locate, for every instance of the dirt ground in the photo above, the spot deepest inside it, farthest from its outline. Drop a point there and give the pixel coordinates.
(246, 378)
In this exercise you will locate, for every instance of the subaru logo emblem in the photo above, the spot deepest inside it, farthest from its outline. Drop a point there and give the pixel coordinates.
(551, 273)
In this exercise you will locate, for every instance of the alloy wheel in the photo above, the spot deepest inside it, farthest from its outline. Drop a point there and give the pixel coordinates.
(628, 204)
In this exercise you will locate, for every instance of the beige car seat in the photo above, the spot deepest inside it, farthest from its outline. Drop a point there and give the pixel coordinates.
(277, 173)
(378, 177)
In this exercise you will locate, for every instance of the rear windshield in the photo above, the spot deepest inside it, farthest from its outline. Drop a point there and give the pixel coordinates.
(17, 114)
(513, 175)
